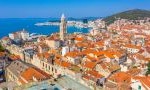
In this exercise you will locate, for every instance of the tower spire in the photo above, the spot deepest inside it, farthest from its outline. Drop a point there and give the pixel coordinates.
(63, 16)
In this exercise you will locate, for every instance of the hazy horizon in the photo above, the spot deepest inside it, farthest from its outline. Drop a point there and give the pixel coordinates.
(66, 16)
(71, 8)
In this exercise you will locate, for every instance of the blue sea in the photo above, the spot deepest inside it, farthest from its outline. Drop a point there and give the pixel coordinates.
(9, 25)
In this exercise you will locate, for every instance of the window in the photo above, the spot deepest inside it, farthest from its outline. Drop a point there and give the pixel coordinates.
(43, 64)
(139, 87)
(52, 69)
(55, 70)
(46, 66)
(17, 64)
(49, 67)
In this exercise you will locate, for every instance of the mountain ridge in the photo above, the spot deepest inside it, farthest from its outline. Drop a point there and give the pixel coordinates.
(134, 14)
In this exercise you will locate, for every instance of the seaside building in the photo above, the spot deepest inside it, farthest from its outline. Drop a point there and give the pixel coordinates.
(20, 35)
(63, 26)
(24, 34)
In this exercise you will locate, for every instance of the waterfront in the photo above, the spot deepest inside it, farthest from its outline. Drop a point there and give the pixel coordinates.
(9, 25)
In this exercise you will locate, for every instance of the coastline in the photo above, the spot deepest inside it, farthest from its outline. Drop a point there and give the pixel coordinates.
(12, 25)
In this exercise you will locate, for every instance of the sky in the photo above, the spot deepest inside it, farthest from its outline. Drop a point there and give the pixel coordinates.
(71, 8)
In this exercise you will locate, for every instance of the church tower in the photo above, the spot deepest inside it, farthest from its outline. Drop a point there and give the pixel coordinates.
(63, 25)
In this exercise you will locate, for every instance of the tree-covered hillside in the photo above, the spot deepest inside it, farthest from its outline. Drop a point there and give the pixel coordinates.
(135, 14)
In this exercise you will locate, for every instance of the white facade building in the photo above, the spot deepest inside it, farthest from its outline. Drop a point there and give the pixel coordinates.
(65, 50)
(11, 36)
(24, 35)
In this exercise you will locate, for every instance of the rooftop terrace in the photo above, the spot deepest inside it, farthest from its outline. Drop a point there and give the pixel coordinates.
(62, 83)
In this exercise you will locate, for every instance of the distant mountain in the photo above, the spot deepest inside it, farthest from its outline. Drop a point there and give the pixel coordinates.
(134, 14)
(81, 19)
(74, 19)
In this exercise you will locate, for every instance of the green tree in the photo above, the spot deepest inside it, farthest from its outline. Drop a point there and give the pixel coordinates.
(148, 69)
(1, 48)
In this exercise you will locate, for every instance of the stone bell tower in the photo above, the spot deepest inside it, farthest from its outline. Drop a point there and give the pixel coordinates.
(63, 28)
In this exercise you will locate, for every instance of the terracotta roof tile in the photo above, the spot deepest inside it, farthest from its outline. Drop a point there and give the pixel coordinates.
(31, 73)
